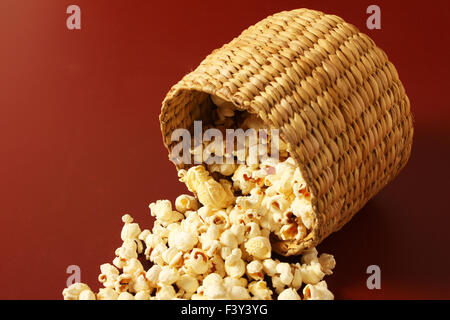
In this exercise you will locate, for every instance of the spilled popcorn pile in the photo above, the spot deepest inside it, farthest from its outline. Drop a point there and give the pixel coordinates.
(216, 244)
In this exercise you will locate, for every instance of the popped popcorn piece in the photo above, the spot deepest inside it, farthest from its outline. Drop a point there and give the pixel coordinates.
(125, 296)
(297, 279)
(286, 276)
(152, 275)
(162, 210)
(214, 287)
(188, 283)
(238, 293)
(209, 192)
(173, 257)
(234, 265)
(107, 294)
(259, 290)
(140, 284)
(87, 295)
(302, 208)
(327, 263)
(182, 240)
(166, 292)
(228, 239)
(142, 295)
(242, 179)
(167, 276)
(108, 275)
(312, 273)
(122, 282)
(196, 262)
(318, 291)
(133, 267)
(255, 270)
(185, 203)
(224, 168)
(130, 230)
(277, 284)
(73, 291)
(259, 247)
(289, 294)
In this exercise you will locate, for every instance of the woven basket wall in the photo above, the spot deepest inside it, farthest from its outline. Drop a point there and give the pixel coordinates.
(331, 91)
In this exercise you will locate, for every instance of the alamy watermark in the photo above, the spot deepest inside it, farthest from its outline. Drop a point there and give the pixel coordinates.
(374, 280)
(234, 146)
(75, 275)
(73, 22)
(374, 20)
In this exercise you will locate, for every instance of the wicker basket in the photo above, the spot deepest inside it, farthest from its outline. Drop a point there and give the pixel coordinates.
(332, 93)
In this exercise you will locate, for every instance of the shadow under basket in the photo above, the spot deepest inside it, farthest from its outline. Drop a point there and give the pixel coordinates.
(334, 96)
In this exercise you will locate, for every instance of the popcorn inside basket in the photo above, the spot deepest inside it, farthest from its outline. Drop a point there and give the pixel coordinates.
(251, 176)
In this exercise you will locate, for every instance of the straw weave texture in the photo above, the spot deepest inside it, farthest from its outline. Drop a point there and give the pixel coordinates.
(331, 91)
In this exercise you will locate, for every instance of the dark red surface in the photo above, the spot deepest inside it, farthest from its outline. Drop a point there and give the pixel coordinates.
(80, 142)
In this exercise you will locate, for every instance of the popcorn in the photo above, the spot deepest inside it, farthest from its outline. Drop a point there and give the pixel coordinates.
(125, 296)
(302, 208)
(297, 277)
(289, 294)
(218, 265)
(277, 284)
(173, 257)
(293, 231)
(140, 284)
(182, 240)
(224, 169)
(127, 251)
(317, 292)
(235, 282)
(196, 262)
(238, 230)
(87, 295)
(165, 292)
(216, 244)
(209, 192)
(156, 254)
(286, 275)
(122, 282)
(152, 274)
(188, 283)
(162, 210)
(252, 230)
(133, 266)
(108, 275)
(238, 293)
(309, 256)
(312, 273)
(255, 270)
(270, 267)
(185, 203)
(107, 294)
(327, 263)
(259, 290)
(228, 239)
(129, 230)
(259, 247)
(168, 276)
(242, 179)
(73, 292)
(234, 265)
(142, 295)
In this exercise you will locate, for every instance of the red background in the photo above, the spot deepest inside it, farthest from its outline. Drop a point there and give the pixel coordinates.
(80, 141)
